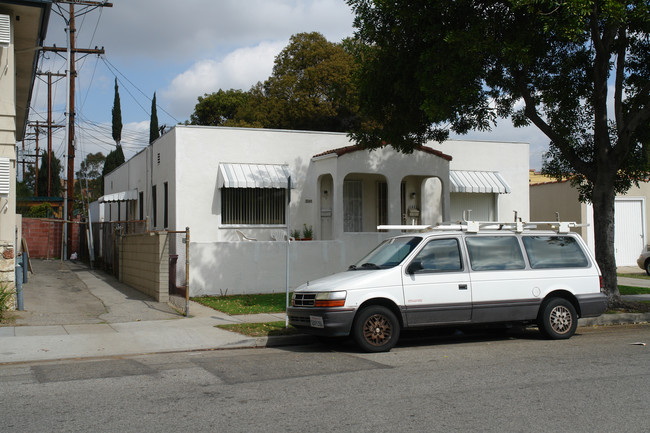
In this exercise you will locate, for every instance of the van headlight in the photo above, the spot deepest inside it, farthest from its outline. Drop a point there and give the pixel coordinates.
(330, 299)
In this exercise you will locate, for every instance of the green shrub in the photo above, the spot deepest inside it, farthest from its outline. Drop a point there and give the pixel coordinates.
(41, 211)
(5, 295)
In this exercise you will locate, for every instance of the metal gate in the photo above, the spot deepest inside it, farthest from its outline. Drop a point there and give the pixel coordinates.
(179, 268)
(106, 237)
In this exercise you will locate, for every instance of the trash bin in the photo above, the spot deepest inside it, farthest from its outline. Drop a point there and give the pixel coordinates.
(173, 258)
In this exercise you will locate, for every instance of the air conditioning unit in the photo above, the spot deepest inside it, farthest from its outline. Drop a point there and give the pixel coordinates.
(5, 30)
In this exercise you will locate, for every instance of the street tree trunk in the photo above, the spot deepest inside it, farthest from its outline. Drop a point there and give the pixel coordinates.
(603, 202)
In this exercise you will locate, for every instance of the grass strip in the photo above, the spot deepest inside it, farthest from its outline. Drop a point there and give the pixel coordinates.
(631, 290)
(266, 329)
(638, 276)
(245, 304)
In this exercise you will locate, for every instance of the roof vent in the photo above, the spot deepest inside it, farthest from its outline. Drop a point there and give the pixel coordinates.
(5, 30)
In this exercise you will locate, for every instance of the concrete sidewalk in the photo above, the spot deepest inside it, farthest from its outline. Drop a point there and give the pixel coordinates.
(75, 312)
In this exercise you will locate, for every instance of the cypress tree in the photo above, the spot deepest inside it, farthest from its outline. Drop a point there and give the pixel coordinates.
(153, 125)
(117, 117)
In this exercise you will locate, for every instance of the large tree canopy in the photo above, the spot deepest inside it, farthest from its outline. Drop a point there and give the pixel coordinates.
(578, 70)
(56, 188)
(90, 177)
(310, 88)
(219, 108)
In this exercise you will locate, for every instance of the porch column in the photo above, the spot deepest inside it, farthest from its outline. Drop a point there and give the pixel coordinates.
(394, 200)
(444, 199)
(337, 207)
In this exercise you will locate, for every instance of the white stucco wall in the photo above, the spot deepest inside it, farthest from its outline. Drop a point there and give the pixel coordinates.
(219, 267)
(509, 159)
(201, 150)
(8, 140)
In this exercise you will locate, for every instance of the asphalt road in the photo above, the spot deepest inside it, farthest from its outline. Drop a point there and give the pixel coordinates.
(595, 382)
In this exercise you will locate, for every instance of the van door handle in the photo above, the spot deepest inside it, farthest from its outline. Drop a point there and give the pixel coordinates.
(462, 287)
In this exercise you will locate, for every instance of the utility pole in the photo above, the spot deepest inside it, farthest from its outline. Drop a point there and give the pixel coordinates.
(71, 50)
(36, 180)
(50, 126)
(38, 126)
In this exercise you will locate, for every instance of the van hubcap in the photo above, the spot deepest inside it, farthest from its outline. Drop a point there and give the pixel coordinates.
(377, 330)
(561, 319)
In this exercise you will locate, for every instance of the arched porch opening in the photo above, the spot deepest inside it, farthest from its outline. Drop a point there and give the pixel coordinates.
(365, 202)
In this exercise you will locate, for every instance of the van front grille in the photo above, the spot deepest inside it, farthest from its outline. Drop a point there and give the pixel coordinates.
(304, 299)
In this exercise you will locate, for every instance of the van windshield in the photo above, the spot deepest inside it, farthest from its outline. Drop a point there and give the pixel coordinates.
(388, 254)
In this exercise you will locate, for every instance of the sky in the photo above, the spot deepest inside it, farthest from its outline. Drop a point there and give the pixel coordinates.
(180, 51)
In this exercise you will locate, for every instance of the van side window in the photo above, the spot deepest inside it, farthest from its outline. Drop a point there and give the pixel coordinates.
(487, 253)
(554, 252)
(439, 255)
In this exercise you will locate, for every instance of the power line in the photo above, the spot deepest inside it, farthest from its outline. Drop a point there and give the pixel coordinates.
(113, 67)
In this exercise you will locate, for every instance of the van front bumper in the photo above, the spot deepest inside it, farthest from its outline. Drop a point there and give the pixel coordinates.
(592, 305)
(335, 322)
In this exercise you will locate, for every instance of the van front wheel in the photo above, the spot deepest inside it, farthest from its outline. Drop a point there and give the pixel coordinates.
(376, 329)
(558, 319)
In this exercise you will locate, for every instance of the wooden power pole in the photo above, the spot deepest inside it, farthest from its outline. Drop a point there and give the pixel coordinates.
(71, 110)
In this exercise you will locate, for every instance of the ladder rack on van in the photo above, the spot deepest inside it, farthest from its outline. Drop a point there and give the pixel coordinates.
(560, 227)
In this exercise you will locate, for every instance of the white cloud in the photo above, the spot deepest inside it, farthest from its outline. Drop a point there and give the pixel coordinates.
(238, 70)
(161, 30)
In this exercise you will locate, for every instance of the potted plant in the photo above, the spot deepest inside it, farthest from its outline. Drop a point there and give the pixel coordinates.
(307, 232)
(295, 234)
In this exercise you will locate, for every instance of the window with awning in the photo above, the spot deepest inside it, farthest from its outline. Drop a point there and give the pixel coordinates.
(131, 195)
(254, 176)
(253, 194)
(485, 182)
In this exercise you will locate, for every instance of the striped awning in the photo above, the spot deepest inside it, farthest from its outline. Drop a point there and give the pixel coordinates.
(120, 196)
(254, 176)
(478, 182)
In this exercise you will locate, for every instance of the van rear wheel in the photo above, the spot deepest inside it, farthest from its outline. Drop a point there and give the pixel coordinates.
(376, 329)
(558, 319)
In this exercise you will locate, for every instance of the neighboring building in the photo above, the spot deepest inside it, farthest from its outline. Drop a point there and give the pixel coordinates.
(23, 25)
(230, 184)
(549, 197)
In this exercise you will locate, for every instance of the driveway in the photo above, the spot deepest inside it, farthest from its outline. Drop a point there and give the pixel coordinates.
(67, 293)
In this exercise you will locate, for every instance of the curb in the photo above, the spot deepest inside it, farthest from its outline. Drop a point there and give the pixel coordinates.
(615, 319)
(605, 319)
(284, 340)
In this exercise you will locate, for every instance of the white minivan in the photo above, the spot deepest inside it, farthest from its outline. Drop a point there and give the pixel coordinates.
(450, 275)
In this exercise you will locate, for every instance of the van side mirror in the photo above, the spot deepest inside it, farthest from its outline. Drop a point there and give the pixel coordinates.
(414, 267)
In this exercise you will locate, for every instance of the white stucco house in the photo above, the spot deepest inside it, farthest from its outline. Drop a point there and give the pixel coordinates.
(23, 26)
(231, 184)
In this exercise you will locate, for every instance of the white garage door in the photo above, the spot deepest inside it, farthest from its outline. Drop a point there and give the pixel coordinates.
(629, 230)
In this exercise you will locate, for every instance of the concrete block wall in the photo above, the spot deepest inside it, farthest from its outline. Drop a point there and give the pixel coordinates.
(44, 237)
(144, 263)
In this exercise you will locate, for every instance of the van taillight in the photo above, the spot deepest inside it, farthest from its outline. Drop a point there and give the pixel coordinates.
(602, 285)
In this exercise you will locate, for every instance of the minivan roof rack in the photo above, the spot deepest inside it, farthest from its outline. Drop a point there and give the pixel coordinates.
(476, 226)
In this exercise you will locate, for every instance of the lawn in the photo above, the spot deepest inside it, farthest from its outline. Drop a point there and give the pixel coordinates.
(245, 304)
(630, 290)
